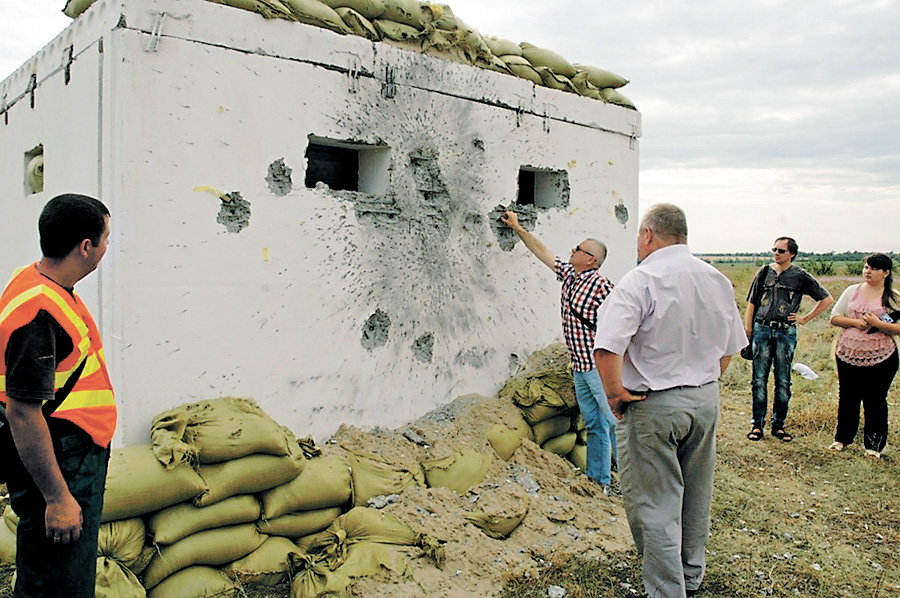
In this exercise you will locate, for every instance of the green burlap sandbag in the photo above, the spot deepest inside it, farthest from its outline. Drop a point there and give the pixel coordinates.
(373, 476)
(196, 582)
(534, 414)
(614, 97)
(147, 554)
(314, 12)
(543, 57)
(315, 579)
(270, 9)
(358, 24)
(73, 8)
(555, 81)
(506, 440)
(268, 565)
(551, 428)
(10, 518)
(218, 430)
(114, 580)
(370, 9)
(439, 16)
(324, 482)
(404, 12)
(254, 473)
(601, 78)
(122, 540)
(179, 521)
(137, 484)
(365, 559)
(299, 524)
(578, 456)
(582, 436)
(211, 547)
(7, 545)
(35, 173)
(503, 47)
(459, 471)
(396, 31)
(499, 525)
(561, 445)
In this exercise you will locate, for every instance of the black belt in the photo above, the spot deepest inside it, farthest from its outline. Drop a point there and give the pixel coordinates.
(681, 387)
(778, 325)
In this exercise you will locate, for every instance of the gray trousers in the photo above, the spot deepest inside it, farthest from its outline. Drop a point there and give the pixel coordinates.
(667, 458)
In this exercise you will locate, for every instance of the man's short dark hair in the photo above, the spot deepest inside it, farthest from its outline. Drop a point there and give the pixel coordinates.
(792, 246)
(69, 219)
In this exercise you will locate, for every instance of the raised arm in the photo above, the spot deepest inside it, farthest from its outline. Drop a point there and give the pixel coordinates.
(511, 219)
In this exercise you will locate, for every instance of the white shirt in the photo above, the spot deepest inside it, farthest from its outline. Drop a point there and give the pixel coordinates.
(672, 319)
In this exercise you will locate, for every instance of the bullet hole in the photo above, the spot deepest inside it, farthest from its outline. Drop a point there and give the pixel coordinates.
(543, 188)
(621, 213)
(473, 357)
(279, 177)
(478, 143)
(423, 348)
(434, 198)
(514, 362)
(234, 214)
(507, 237)
(375, 330)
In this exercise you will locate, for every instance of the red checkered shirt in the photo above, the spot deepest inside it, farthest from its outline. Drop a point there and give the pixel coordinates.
(584, 293)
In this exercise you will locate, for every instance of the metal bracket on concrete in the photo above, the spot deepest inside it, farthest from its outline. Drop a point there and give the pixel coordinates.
(156, 32)
(32, 85)
(388, 86)
(4, 109)
(68, 59)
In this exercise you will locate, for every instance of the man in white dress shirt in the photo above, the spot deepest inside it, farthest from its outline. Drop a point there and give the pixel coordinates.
(664, 336)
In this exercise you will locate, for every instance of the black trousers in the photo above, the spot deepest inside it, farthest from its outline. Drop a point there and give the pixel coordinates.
(45, 569)
(868, 385)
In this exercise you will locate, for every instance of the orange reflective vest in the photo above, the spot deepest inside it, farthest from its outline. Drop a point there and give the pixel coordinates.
(90, 405)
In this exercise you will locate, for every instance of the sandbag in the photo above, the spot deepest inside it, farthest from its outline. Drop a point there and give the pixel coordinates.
(270, 9)
(370, 9)
(505, 440)
(578, 456)
(246, 475)
(555, 81)
(561, 445)
(366, 559)
(10, 518)
(7, 545)
(218, 430)
(543, 57)
(211, 547)
(499, 525)
(268, 565)
(373, 476)
(140, 565)
(137, 483)
(396, 31)
(502, 47)
(324, 482)
(196, 582)
(357, 23)
(614, 97)
(114, 580)
(439, 16)
(551, 428)
(35, 173)
(459, 471)
(179, 521)
(313, 12)
(74, 8)
(601, 78)
(404, 12)
(299, 524)
(360, 524)
(122, 540)
(316, 579)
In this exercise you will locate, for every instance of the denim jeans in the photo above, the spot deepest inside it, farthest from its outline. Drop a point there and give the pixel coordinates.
(599, 422)
(772, 346)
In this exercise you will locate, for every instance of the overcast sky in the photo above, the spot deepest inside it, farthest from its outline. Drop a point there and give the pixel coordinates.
(760, 119)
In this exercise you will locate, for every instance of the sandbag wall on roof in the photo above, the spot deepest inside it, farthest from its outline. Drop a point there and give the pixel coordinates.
(309, 217)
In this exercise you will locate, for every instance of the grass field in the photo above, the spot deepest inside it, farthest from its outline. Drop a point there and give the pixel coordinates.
(789, 519)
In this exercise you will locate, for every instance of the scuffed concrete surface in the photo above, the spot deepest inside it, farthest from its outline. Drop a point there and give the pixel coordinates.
(279, 177)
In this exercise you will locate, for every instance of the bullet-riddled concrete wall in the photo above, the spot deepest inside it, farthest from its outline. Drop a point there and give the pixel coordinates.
(231, 272)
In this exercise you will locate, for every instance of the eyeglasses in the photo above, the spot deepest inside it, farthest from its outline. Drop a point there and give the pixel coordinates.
(778, 250)
(578, 248)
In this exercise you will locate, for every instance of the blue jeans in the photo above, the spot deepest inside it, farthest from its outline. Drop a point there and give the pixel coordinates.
(772, 346)
(599, 422)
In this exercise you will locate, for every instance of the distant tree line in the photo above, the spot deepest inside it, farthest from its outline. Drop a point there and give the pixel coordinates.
(844, 263)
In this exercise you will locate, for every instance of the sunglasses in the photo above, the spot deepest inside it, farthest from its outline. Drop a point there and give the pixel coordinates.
(578, 248)
(778, 250)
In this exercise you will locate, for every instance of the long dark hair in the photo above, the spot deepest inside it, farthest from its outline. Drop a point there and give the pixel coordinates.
(879, 261)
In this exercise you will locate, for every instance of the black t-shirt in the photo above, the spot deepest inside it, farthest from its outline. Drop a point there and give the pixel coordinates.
(32, 354)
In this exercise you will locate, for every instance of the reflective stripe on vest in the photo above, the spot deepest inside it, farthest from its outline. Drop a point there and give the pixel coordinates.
(91, 404)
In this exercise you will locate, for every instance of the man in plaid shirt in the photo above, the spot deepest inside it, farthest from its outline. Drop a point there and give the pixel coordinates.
(583, 290)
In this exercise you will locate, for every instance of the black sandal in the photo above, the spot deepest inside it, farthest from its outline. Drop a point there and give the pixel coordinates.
(756, 434)
(782, 435)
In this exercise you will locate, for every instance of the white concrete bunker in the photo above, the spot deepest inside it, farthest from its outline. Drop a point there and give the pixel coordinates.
(306, 218)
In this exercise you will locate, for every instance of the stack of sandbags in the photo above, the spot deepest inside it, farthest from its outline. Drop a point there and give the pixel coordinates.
(434, 29)
(8, 535)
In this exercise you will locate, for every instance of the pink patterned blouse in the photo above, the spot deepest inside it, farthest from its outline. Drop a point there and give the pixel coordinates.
(858, 347)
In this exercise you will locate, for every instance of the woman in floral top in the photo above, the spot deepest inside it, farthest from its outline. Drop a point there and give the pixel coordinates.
(866, 355)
